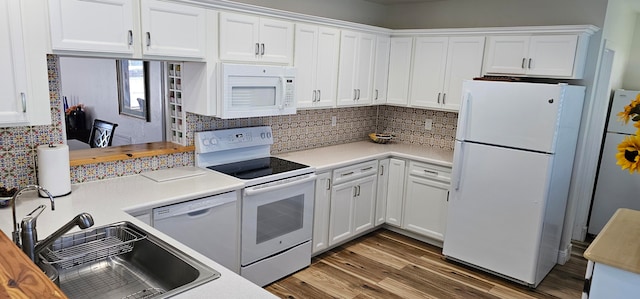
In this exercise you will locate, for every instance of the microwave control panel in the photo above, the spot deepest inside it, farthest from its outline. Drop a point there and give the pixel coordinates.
(289, 92)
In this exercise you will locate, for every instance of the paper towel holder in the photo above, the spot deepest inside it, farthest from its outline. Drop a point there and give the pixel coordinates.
(40, 194)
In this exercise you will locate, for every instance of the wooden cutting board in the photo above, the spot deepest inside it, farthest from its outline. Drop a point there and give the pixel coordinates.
(21, 278)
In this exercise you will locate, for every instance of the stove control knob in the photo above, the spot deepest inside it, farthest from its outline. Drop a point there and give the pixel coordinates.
(213, 141)
(205, 142)
(268, 135)
(263, 135)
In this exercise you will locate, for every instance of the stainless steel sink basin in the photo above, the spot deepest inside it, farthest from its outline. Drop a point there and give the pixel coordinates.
(122, 261)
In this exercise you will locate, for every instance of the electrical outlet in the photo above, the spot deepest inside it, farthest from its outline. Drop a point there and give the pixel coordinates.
(428, 124)
(334, 121)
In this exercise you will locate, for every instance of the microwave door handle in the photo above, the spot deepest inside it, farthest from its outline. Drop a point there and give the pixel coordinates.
(284, 93)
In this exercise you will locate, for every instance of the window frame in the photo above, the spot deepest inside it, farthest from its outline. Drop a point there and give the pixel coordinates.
(124, 83)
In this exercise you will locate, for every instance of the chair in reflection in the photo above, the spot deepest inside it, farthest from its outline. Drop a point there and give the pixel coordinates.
(101, 133)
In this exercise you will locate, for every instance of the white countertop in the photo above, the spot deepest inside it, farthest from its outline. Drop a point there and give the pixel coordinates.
(110, 201)
(326, 158)
(107, 201)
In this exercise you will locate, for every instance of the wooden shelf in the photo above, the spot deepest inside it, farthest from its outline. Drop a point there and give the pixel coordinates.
(117, 153)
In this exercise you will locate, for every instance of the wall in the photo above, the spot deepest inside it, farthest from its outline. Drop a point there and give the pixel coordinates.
(490, 13)
(619, 30)
(632, 74)
(358, 11)
(93, 82)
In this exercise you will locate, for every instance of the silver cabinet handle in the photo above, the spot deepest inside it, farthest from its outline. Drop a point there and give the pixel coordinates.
(439, 94)
(381, 170)
(23, 98)
(319, 95)
(148, 39)
(529, 63)
(358, 190)
(346, 174)
(367, 168)
(523, 62)
(431, 172)
(376, 95)
(355, 94)
(262, 51)
(328, 184)
(444, 96)
(358, 94)
(315, 95)
(355, 191)
(257, 49)
(130, 38)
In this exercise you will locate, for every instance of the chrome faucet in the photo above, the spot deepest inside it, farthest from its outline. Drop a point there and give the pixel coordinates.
(16, 231)
(27, 231)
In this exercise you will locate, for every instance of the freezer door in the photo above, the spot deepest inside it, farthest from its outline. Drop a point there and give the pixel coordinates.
(615, 188)
(621, 98)
(496, 209)
(518, 115)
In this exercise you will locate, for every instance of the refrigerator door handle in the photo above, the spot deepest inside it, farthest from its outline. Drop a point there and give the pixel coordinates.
(458, 160)
(464, 115)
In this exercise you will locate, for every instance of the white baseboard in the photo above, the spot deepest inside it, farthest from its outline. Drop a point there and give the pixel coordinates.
(564, 255)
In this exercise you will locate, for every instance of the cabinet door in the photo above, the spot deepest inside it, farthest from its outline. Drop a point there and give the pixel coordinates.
(13, 75)
(381, 193)
(364, 204)
(92, 25)
(552, 55)
(381, 70)
(276, 41)
(239, 37)
(399, 70)
(395, 192)
(364, 72)
(507, 55)
(327, 66)
(426, 207)
(347, 68)
(322, 206)
(306, 62)
(429, 66)
(172, 29)
(464, 62)
(341, 215)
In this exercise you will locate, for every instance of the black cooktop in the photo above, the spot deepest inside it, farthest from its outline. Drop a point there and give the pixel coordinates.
(255, 168)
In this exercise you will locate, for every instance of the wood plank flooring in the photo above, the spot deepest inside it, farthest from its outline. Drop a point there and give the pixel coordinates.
(384, 264)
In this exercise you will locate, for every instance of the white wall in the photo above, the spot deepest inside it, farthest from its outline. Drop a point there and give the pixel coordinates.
(632, 73)
(619, 27)
(490, 13)
(93, 82)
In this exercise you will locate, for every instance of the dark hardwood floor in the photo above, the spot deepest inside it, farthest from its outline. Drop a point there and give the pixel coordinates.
(384, 264)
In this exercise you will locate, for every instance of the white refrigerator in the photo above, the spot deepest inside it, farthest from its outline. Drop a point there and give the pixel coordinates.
(513, 159)
(615, 188)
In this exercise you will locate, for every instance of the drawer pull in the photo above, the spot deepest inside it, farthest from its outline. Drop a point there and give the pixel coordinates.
(348, 173)
(431, 172)
(368, 168)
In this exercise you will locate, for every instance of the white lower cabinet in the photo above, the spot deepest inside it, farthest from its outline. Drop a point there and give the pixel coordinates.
(322, 206)
(353, 198)
(427, 194)
(395, 192)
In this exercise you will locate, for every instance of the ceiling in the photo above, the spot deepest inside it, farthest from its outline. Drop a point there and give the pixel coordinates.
(390, 2)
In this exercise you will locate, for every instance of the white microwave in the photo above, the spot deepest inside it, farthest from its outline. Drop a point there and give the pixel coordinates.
(256, 90)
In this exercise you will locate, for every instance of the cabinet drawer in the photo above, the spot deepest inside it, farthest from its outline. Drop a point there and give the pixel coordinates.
(430, 171)
(353, 172)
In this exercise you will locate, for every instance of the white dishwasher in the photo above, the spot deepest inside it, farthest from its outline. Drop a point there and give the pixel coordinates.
(207, 225)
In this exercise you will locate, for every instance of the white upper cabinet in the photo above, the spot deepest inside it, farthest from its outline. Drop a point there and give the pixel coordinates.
(381, 70)
(316, 62)
(92, 25)
(440, 65)
(13, 75)
(355, 70)
(23, 77)
(399, 70)
(171, 29)
(553, 56)
(251, 38)
(111, 27)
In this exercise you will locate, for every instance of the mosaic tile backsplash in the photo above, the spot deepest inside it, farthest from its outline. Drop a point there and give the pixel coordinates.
(305, 130)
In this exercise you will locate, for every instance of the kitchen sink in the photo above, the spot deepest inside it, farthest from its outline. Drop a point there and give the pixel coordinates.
(121, 260)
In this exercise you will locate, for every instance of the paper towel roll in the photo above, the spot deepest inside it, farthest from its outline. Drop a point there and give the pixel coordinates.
(53, 169)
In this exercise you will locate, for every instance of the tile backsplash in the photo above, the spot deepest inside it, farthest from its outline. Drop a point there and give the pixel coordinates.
(305, 130)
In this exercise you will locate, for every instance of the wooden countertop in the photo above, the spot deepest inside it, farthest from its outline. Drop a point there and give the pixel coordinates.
(618, 244)
(19, 277)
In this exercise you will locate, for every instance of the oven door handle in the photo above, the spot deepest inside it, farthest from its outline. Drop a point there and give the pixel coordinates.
(258, 189)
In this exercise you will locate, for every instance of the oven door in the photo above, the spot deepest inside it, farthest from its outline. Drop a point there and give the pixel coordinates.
(276, 216)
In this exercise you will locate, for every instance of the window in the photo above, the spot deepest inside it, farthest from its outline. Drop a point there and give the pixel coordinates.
(132, 87)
